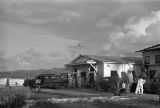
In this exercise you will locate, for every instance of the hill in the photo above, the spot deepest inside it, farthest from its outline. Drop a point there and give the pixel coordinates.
(30, 73)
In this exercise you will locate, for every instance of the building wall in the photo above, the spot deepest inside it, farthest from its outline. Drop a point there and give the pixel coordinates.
(85, 68)
(108, 67)
(137, 69)
(100, 70)
(152, 56)
(156, 68)
(152, 66)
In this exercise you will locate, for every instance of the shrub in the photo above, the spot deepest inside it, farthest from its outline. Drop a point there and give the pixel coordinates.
(108, 84)
(104, 84)
(13, 97)
(147, 86)
(133, 86)
(128, 79)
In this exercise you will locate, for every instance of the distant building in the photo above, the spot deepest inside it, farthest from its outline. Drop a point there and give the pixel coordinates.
(87, 69)
(151, 60)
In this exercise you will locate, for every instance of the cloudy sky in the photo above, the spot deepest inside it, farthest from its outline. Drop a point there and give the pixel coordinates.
(42, 34)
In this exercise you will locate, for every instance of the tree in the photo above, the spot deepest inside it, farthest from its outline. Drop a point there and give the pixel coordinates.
(7, 83)
(128, 79)
(116, 84)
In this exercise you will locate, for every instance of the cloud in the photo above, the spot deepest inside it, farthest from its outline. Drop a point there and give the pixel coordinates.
(3, 61)
(29, 48)
(104, 23)
(134, 36)
(140, 27)
(53, 29)
(32, 59)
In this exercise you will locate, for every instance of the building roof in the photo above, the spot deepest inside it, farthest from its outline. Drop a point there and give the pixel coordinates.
(137, 60)
(82, 59)
(115, 59)
(152, 48)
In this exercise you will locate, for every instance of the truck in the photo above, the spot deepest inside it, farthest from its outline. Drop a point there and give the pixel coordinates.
(56, 80)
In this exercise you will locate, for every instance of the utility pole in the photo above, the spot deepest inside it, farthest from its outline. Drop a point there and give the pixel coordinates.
(80, 45)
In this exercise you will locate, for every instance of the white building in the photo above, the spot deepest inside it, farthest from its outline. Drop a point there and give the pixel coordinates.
(86, 69)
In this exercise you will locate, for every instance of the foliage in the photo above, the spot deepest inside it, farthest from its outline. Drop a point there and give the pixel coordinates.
(152, 86)
(133, 87)
(13, 97)
(29, 83)
(113, 99)
(128, 79)
(110, 84)
(107, 84)
(147, 86)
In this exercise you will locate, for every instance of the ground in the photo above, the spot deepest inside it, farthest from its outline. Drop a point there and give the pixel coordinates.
(136, 101)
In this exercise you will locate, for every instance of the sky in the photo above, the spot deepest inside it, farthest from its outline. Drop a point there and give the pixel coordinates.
(43, 34)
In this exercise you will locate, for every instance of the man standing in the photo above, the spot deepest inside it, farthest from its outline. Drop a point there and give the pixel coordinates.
(139, 89)
(141, 82)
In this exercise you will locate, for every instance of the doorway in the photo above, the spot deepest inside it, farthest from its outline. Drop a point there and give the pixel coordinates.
(91, 79)
(76, 80)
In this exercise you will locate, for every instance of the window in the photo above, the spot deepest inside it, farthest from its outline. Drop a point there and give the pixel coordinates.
(157, 59)
(75, 70)
(147, 60)
(114, 74)
(83, 75)
(91, 69)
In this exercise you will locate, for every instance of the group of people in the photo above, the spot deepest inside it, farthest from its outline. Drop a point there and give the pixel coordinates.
(139, 88)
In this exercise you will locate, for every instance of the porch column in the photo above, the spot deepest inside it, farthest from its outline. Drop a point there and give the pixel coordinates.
(70, 77)
(79, 79)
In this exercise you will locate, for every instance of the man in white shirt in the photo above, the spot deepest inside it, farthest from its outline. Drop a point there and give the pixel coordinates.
(139, 89)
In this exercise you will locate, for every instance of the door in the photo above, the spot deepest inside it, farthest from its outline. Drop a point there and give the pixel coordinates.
(114, 73)
(83, 77)
(91, 79)
(76, 80)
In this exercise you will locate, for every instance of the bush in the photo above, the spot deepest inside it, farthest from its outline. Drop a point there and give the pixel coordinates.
(147, 86)
(107, 84)
(152, 86)
(133, 86)
(13, 97)
(104, 85)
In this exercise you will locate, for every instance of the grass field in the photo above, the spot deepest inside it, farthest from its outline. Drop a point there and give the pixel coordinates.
(87, 98)
(82, 105)
(135, 101)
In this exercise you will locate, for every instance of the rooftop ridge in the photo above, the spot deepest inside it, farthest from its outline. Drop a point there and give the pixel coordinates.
(148, 48)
